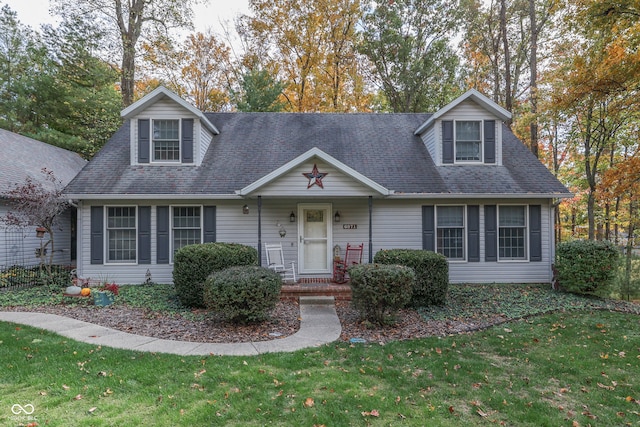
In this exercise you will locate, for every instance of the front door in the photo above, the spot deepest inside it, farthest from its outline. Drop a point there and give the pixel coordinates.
(314, 230)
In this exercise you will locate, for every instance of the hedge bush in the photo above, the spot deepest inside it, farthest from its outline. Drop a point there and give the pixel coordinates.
(586, 266)
(432, 273)
(192, 264)
(379, 291)
(243, 294)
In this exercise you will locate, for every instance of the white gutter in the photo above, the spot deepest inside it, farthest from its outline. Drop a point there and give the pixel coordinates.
(390, 196)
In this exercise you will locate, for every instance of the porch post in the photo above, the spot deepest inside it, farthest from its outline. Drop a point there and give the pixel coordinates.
(370, 229)
(260, 231)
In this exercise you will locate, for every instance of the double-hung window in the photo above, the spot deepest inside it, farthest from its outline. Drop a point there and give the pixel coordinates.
(166, 141)
(512, 232)
(121, 234)
(450, 231)
(468, 141)
(186, 226)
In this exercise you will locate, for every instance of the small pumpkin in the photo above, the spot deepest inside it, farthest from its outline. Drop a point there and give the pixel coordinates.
(85, 292)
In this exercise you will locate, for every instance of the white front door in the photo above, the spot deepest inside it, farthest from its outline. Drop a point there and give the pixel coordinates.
(314, 230)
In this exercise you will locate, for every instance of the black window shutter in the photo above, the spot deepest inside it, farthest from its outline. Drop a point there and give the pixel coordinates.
(187, 140)
(144, 234)
(447, 141)
(489, 141)
(97, 230)
(490, 233)
(209, 224)
(473, 232)
(143, 140)
(535, 233)
(162, 234)
(428, 228)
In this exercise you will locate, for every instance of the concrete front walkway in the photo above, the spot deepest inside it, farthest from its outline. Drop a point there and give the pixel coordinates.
(319, 325)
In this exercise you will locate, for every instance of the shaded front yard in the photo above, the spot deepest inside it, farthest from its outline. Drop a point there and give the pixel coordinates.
(579, 364)
(571, 368)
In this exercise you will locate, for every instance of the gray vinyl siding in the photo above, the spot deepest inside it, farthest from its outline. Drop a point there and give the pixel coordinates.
(18, 245)
(294, 183)
(430, 138)
(396, 224)
(205, 138)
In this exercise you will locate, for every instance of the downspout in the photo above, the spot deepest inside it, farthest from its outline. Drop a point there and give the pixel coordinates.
(370, 230)
(260, 231)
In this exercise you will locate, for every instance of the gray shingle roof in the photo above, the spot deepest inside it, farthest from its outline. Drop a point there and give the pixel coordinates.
(382, 147)
(24, 157)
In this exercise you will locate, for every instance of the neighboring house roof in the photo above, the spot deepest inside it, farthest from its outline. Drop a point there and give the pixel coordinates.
(250, 146)
(24, 157)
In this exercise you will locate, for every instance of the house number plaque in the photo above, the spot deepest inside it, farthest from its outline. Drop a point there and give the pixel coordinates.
(349, 226)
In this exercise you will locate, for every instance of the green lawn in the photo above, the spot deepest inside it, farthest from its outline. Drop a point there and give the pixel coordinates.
(579, 367)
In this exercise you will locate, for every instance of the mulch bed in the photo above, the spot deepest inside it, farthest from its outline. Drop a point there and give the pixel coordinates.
(284, 321)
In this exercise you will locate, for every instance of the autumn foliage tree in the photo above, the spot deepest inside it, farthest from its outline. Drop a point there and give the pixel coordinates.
(33, 203)
(595, 81)
(310, 46)
(199, 69)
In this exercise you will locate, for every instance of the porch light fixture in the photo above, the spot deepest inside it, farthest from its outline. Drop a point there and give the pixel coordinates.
(245, 209)
(336, 217)
(40, 232)
(292, 217)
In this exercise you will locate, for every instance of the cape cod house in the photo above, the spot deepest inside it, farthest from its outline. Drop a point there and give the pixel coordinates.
(456, 181)
(24, 158)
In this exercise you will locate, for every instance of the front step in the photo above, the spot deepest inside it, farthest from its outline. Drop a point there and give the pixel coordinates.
(292, 292)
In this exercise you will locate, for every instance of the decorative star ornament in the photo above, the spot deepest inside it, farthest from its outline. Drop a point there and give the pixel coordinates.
(315, 177)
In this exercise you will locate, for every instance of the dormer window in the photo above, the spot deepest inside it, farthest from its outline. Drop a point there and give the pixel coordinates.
(468, 141)
(166, 141)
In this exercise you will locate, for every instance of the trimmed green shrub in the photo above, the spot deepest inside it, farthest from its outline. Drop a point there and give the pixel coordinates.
(432, 273)
(243, 294)
(192, 264)
(379, 291)
(586, 266)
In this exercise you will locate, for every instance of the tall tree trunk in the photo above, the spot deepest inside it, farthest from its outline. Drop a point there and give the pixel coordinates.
(533, 71)
(129, 33)
(127, 80)
(508, 104)
(629, 252)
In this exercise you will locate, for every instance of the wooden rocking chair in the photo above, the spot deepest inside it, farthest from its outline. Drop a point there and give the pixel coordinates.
(352, 256)
(275, 261)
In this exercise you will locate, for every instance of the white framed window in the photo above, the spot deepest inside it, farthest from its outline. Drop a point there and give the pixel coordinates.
(468, 141)
(165, 144)
(450, 233)
(186, 226)
(512, 232)
(121, 234)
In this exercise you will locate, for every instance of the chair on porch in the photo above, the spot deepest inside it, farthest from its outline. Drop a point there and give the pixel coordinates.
(352, 256)
(275, 261)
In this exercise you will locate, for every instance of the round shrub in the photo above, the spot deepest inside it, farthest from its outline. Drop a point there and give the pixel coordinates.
(192, 264)
(379, 291)
(243, 294)
(586, 266)
(432, 273)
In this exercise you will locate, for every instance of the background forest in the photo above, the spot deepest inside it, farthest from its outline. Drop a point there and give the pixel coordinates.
(569, 70)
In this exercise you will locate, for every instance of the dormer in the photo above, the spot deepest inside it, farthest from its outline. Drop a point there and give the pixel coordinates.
(167, 130)
(467, 131)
